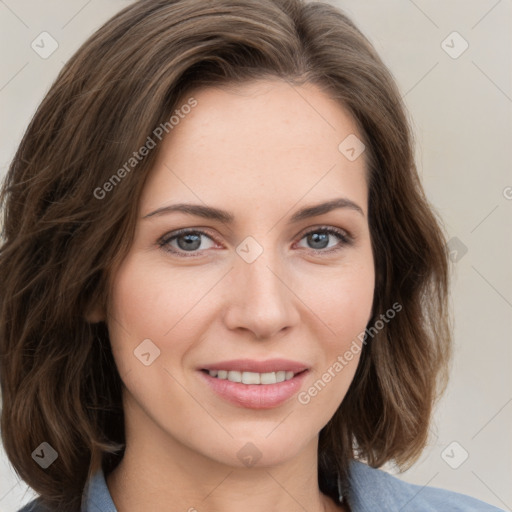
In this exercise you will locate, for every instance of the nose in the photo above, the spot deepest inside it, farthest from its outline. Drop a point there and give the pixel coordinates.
(260, 299)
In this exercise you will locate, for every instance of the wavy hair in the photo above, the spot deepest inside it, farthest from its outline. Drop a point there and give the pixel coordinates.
(61, 244)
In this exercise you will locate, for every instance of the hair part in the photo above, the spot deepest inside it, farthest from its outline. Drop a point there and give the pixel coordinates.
(62, 245)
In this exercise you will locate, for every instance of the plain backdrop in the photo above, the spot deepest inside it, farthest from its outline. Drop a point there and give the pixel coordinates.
(452, 61)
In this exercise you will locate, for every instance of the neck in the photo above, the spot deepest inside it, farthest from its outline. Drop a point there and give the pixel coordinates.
(157, 472)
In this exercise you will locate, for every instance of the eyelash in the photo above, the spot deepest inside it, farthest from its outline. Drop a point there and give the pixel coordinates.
(344, 238)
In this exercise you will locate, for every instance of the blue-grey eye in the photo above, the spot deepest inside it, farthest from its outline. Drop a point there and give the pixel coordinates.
(319, 238)
(186, 241)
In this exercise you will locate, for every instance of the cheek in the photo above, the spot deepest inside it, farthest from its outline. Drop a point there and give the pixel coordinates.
(167, 306)
(353, 302)
(345, 306)
(342, 300)
(343, 303)
(149, 303)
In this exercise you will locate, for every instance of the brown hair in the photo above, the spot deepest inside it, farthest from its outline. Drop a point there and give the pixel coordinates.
(61, 244)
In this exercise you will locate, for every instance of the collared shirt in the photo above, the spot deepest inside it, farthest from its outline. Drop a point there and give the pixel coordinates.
(368, 490)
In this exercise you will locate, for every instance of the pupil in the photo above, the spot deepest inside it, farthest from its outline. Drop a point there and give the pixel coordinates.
(320, 238)
(191, 239)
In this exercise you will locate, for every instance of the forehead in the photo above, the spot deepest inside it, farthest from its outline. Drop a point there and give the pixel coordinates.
(256, 144)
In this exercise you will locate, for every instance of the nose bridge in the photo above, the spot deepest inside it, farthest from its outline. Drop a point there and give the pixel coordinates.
(261, 282)
(261, 300)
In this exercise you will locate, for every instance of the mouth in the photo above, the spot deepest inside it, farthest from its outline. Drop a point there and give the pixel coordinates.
(250, 378)
(255, 384)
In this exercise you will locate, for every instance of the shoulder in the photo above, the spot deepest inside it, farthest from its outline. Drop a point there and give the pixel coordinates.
(373, 489)
(96, 497)
(34, 506)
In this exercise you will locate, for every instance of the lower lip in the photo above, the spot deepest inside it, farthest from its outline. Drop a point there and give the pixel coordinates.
(255, 396)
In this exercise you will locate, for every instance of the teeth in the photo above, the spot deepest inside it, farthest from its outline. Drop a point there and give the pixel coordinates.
(268, 378)
(235, 376)
(252, 377)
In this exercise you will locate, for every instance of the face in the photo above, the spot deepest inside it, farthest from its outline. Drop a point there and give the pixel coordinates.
(260, 293)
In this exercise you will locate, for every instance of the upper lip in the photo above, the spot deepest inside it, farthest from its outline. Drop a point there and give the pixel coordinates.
(251, 365)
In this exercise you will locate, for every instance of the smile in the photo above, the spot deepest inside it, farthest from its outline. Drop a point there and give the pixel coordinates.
(251, 394)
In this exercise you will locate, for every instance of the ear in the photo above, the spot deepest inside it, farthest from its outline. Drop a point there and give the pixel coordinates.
(95, 314)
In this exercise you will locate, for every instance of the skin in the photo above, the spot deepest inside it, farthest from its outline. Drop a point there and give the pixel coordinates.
(261, 151)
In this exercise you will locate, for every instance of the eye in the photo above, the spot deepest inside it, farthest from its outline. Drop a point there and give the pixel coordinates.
(319, 239)
(187, 240)
(190, 241)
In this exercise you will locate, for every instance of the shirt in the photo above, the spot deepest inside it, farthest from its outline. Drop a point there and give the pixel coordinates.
(368, 490)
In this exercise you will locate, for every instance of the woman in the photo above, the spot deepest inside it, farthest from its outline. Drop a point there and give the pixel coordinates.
(223, 285)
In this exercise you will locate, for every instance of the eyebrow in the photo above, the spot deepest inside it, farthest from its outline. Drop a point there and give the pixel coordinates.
(209, 212)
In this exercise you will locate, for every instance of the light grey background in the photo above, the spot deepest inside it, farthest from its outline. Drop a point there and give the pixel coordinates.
(462, 115)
